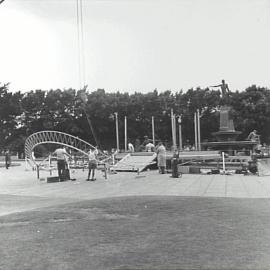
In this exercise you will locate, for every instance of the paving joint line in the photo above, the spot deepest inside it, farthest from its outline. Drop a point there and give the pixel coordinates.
(245, 187)
(207, 187)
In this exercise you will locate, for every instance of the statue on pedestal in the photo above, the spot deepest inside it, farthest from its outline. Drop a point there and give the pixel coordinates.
(226, 126)
(224, 88)
(226, 136)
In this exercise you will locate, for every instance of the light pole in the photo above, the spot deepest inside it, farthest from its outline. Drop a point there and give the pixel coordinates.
(196, 131)
(125, 134)
(153, 130)
(180, 132)
(117, 133)
(173, 130)
(199, 129)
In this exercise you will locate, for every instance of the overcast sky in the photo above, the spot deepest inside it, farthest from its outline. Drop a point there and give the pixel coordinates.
(135, 45)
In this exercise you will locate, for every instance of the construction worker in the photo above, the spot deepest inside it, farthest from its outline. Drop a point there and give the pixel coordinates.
(253, 136)
(161, 157)
(150, 147)
(61, 155)
(130, 147)
(92, 164)
(7, 159)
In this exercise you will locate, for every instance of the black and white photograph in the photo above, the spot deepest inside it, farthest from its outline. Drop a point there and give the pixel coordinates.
(134, 134)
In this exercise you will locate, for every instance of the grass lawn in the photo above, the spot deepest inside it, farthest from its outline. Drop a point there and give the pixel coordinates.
(150, 232)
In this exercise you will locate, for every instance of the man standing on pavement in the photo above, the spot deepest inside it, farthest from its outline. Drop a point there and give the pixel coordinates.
(130, 147)
(92, 164)
(7, 159)
(161, 157)
(61, 155)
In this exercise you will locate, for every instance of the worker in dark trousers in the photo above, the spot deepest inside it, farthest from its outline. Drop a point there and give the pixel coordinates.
(7, 159)
(61, 155)
(92, 164)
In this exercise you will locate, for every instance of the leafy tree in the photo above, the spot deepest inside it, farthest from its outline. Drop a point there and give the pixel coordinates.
(9, 113)
(251, 109)
(66, 111)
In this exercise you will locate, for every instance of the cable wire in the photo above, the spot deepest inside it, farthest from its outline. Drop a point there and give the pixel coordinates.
(81, 61)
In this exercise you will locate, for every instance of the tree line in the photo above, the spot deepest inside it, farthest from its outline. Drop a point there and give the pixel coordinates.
(71, 111)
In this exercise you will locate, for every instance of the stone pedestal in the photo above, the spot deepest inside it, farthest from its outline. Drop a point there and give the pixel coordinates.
(226, 136)
(226, 127)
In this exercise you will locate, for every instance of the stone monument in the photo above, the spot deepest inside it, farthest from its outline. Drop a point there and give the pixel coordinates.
(227, 135)
(226, 127)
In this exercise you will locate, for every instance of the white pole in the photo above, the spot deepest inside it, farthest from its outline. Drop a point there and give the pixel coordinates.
(199, 129)
(153, 130)
(117, 133)
(25, 163)
(125, 134)
(172, 129)
(195, 131)
(180, 133)
(50, 163)
(180, 138)
(113, 158)
(223, 162)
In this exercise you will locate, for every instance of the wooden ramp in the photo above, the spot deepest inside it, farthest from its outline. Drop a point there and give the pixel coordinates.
(135, 162)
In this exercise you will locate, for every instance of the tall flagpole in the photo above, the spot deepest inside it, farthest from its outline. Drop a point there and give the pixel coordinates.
(180, 133)
(174, 128)
(117, 132)
(195, 131)
(173, 133)
(153, 130)
(199, 130)
(125, 134)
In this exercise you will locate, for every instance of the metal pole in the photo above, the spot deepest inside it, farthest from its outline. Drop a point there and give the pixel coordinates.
(180, 133)
(199, 129)
(125, 134)
(117, 133)
(195, 131)
(113, 158)
(25, 163)
(223, 162)
(172, 123)
(50, 165)
(180, 138)
(38, 172)
(153, 130)
(174, 127)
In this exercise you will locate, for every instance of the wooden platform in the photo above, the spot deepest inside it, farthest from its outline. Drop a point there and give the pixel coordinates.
(199, 155)
(135, 162)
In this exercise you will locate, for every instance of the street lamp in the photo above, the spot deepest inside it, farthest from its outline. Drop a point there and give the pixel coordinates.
(180, 132)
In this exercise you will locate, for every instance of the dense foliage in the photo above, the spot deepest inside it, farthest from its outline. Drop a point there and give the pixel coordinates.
(90, 115)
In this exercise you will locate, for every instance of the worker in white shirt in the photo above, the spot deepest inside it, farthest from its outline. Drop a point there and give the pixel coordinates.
(61, 155)
(150, 147)
(130, 147)
(92, 164)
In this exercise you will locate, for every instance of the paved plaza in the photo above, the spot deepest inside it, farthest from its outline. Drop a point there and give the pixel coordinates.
(23, 182)
(131, 221)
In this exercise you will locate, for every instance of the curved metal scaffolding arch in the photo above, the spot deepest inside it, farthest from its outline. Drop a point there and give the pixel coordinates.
(55, 137)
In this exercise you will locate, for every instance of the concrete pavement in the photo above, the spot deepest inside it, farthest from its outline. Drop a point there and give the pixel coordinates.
(21, 191)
